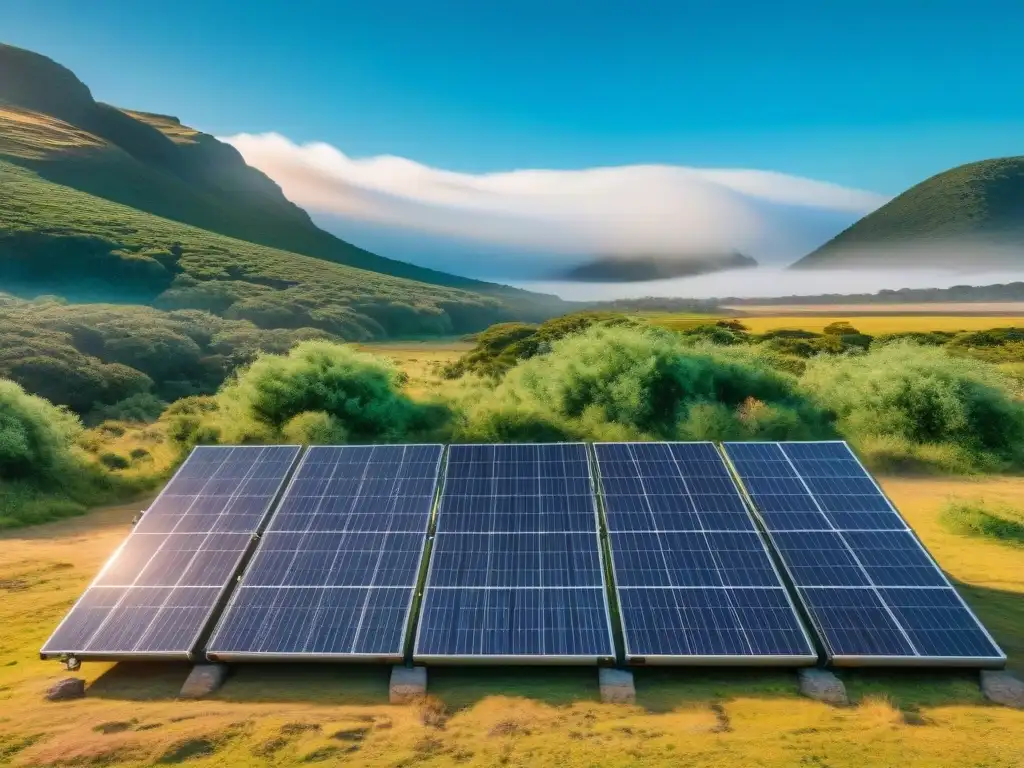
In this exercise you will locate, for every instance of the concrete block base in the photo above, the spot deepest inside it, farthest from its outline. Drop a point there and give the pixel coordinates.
(616, 685)
(822, 685)
(1002, 688)
(407, 684)
(203, 680)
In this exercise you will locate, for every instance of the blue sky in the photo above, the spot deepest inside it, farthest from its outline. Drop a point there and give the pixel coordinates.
(869, 94)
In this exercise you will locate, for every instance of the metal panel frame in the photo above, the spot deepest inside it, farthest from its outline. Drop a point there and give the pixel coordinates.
(861, 660)
(740, 660)
(222, 591)
(521, 659)
(270, 656)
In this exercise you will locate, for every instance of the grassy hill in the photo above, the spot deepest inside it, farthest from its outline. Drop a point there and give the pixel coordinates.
(50, 123)
(968, 217)
(100, 204)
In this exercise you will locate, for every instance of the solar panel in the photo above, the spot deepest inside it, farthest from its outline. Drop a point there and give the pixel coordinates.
(515, 573)
(873, 592)
(156, 595)
(335, 573)
(694, 579)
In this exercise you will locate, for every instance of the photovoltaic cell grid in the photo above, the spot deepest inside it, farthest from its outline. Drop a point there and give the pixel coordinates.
(693, 577)
(515, 573)
(157, 593)
(334, 575)
(871, 589)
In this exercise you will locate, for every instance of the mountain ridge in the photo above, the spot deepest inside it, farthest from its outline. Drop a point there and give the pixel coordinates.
(967, 217)
(156, 163)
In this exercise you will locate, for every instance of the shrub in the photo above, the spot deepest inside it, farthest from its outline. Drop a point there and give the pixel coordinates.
(143, 407)
(314, 428)
(983, 520)
(113, 461)
(641, 382)
(139, 454)
(920, 396)
(360, 392)
(35, 436)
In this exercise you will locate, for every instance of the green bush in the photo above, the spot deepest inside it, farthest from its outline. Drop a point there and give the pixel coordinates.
(114, 461)
(360, 392)
(612, 383)
(35, 436)
(919, 396)
(983, 520)
(143, 407)
(314, 428)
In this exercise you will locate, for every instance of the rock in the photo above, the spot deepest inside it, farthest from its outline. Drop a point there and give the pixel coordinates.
(822, 685)
(407, 684)
(203, 680)
(1002, 688)
(68, 688)
(616, 685)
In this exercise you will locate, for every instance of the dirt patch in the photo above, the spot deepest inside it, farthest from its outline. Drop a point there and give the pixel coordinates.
(433, 712)
(13, 585)
(187, 750)
(118, 726)
(321, 754)
(350, 734)
(508, 728)
(722, 722)
(269, 747)
(294, 729)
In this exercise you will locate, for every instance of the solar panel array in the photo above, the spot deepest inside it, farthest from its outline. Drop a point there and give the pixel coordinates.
(694, 580)
(335, 574)
(515, 573)
(872, 591)
(157, 593)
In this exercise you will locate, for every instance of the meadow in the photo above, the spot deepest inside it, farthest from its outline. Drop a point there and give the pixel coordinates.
(321, 714)
(873, 324)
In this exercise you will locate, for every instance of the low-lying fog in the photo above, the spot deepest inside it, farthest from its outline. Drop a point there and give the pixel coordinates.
(768, 282)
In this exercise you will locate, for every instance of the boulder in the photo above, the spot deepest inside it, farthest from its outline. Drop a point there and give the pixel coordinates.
(68, 688)
(1002, 688)
(822, 685)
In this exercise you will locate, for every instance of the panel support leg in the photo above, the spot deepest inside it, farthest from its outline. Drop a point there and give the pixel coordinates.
(203, 680)
(407, 684)
(616, 685)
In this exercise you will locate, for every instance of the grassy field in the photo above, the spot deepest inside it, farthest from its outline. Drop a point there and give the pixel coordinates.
(870, 324)
(421, 361)
(288, 715)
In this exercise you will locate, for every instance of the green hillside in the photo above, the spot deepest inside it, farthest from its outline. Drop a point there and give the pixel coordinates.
(968, 217)
(50, 124)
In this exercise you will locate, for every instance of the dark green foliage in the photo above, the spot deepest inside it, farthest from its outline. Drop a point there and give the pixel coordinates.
(139, 454)
(982, 520)
(972, 205)
(353, 393)
(920, 396)
(924, 338)
(93, 356)
(958, 293)
(141, 407)
(35, 436)
(502, 346)
(114, 461)
(839, 328)
(723, 333)
(608, 382)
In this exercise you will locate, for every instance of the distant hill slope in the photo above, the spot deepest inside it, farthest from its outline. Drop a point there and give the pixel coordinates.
(632, 269)
(49, 122)
(968, 217)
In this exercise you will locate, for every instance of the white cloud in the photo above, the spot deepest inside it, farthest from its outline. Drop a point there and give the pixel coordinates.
(651, 209)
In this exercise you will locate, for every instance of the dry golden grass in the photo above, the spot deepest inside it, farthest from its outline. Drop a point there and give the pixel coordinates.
(293, 714)
(171, 128)
(33, 135)
(421, 361)
(870, 324)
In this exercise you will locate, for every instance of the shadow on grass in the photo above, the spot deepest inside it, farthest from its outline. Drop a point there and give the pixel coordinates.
(659, 689)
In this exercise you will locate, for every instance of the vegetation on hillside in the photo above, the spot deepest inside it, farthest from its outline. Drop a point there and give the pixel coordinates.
(56, 240)
(50, 124)
(958, 293)
(974, 209)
